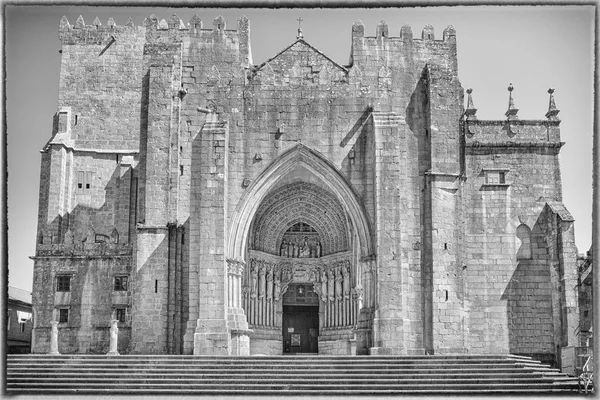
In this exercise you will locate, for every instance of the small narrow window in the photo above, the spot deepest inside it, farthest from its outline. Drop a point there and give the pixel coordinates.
(88, 180)
(80, 178)
(8, 323)
(63, 315)
(22, 326)
(501, 177)
(76, 119)
(63, 283)
(120, 314)
(156, 286)
(120, 283)
(181, 170)
(446, 295)
(183, 238)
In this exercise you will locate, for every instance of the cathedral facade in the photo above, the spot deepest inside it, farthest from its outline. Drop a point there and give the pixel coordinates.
(216, 206)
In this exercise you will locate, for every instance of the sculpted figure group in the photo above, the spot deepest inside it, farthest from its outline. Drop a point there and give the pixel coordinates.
(265, 281)
(335, 282)
(292, 249)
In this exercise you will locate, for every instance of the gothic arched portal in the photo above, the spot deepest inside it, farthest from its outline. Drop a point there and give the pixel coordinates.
(302, 233)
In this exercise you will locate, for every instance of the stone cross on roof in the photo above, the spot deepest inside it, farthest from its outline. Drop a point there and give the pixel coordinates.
(300, 36)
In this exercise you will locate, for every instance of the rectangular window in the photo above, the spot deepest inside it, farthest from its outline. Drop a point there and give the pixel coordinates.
(492, 178)
(63, 283)
(8, 324)
(80, 178)
(84, 180)
(63, 315)
(501, 178)
(120, 283)
(22, 326)
(120, 314)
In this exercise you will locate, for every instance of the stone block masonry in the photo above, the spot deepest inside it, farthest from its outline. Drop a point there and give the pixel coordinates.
(175, 162)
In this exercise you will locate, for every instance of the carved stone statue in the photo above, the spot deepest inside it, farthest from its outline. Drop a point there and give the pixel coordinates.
(346, 275)
(54, 338)
(114, 335)
(324, 285)
(69, 238)
(331, 285)
(261, 283)
(269, 283)
(296, 250)
(305, 249)
(254, 278)
(290, 249)
(338, 284)
(277, 283)
(283, 249)
(318, 250)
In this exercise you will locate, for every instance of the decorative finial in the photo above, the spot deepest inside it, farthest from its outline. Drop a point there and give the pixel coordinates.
(512, 111)
(552, 110)
(300, 35)
(470, 110)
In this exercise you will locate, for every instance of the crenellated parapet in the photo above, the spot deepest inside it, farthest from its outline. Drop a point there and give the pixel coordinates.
(420, 49)
(96, 33)
(512, 132)
(172, 29)
(175, 30)
(382, 33)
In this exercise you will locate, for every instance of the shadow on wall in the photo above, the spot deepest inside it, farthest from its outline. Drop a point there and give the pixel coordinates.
(528, 296)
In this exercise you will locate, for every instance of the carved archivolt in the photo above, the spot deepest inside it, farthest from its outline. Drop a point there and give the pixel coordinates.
(300, 203)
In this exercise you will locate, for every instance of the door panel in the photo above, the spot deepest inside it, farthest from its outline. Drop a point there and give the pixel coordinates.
(300, 329)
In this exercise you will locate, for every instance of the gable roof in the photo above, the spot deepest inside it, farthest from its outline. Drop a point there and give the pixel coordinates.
(21, 295)
(302, 41)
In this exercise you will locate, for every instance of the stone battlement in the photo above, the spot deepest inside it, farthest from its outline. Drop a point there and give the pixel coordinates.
(173, 29)
(406, 33)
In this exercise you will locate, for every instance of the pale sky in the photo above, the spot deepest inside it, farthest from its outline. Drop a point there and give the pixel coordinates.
(532, 47)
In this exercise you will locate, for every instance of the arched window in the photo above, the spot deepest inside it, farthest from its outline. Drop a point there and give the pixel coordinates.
(523, 241)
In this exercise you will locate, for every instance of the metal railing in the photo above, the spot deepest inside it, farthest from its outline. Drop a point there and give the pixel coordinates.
(586, 378)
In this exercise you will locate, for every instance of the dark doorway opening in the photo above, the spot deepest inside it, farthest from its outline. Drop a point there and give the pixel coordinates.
(300, 329)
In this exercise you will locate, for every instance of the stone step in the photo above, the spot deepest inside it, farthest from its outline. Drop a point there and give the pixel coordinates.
(298, 358)
(262, 377)
(299, 386)
(346, 381)
(295, 375)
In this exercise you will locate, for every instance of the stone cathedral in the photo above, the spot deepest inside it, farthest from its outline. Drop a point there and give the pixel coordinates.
(212, 205)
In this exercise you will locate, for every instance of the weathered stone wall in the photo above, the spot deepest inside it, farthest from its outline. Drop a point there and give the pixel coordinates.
(181, 139)
(100, 80)
(90, 301)
(511, 292)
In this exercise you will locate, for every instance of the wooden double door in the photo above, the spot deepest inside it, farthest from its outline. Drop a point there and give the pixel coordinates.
(300, 329)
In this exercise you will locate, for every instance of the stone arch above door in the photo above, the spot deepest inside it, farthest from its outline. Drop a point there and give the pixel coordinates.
(321, 170)
(295, 203)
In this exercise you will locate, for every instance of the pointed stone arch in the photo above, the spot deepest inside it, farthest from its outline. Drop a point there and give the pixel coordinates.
(323, 169)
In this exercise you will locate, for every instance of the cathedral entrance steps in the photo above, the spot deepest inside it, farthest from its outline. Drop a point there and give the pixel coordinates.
(294, 375)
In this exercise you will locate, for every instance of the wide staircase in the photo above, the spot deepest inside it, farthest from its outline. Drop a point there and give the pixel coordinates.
(282, 375)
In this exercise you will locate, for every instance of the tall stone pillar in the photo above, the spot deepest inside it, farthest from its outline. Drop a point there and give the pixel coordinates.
(212, 334)
(150, 322)
(388, 324)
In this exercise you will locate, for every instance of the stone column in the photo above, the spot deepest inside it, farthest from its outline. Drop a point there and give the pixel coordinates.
(237, 323)
(54, 339)
(114, 337)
